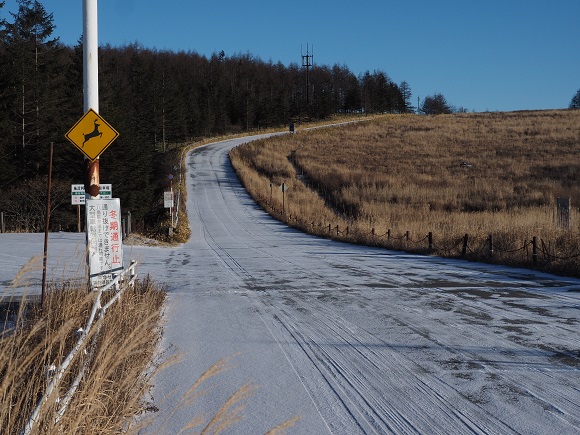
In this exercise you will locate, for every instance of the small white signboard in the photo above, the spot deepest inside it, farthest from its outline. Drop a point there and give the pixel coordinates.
(168, 199)
(78, 193)
(104, 240)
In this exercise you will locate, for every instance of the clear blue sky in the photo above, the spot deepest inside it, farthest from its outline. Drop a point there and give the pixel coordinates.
(480, 54)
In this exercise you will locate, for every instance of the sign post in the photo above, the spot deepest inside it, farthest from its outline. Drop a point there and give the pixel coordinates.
(77, 192)
(283, 188)
(168, 203)
(92, 135)
(172, 202)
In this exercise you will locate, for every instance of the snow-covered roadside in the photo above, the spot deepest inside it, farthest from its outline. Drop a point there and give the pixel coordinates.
(349, 338)
(21, 261)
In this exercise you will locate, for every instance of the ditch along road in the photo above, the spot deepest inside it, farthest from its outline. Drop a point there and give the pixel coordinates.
(353, 339)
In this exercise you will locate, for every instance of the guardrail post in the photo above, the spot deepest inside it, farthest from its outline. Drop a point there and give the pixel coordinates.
(116, 277)
(133, 273)
(464, 249)
(535, 250)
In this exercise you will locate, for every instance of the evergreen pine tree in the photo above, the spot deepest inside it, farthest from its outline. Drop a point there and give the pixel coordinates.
(575, 103)
(33, 66)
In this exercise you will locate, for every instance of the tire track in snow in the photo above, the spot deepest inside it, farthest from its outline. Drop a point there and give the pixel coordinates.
(376, 381)
(557, 398)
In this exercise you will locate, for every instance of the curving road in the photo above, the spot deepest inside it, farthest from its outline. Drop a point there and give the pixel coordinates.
(354, 339)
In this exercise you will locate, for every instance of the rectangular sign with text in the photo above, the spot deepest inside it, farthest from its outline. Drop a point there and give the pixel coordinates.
(78, 193)
(104, 240)
(168, 199)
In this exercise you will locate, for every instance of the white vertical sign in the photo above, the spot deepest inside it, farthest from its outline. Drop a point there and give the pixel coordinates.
(77, 192)
(168, 199)
(104, 240)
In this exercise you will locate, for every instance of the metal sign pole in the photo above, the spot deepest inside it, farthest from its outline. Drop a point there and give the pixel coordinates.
(171, 190)
(92, 135)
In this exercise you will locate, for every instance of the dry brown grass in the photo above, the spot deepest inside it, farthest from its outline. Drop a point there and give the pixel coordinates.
(405, 173)
(115, 381)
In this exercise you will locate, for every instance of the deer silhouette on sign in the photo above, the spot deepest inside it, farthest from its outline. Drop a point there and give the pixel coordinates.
(93, 133)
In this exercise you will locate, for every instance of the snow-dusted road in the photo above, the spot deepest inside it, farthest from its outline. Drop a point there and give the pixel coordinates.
(361, 340)
(355, 339)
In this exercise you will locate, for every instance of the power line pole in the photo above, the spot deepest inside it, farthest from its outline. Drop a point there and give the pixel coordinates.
(307, 62)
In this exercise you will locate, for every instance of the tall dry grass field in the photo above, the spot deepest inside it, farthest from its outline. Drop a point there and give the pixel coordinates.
(484, 174)
(120, 349)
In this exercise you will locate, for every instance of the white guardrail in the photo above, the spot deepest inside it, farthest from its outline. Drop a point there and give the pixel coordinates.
(119, 284)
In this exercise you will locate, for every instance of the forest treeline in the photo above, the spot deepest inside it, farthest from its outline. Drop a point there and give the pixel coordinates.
(153, 98)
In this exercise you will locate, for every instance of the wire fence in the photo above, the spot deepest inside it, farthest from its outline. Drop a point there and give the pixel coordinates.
(533, 251)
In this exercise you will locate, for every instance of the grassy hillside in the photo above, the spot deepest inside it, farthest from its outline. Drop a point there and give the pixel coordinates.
(496, 174)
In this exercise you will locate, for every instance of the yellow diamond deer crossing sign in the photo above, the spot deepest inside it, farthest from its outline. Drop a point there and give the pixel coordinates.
(92, 134)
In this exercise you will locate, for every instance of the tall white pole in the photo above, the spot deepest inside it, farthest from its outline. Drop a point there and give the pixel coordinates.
(90, 55)
(91, 84)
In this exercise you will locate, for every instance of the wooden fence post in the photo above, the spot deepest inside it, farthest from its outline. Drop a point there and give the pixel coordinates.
(389, 234)
(407, 236)
(464, 249)
(491, 245)
(430, 237)
(535, 250)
